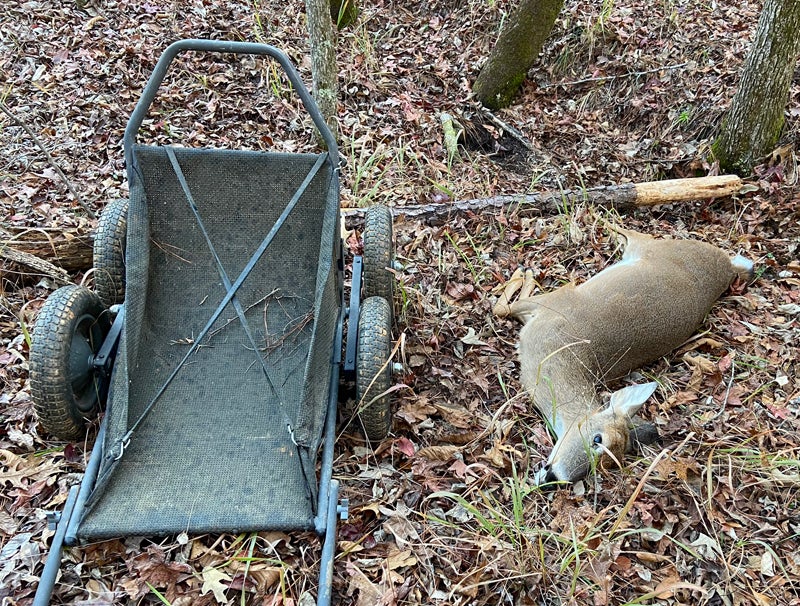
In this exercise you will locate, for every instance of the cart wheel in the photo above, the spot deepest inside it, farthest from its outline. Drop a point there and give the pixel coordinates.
(373, 367)
(109, 253)
(69, 331)
(378, 253)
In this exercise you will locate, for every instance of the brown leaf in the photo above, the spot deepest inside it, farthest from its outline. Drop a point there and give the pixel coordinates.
(400, 559)
(495, 455)
(457, 416)
(414, 411)
(666, 588)
(459, 292)
(701, 366)
(405, 446)
(438, 453)
(368, 593)
(152, 567)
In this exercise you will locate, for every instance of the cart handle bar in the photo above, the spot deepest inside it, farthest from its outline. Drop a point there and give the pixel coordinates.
(223, 46)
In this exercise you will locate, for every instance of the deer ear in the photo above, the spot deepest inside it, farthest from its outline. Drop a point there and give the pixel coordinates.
(628, 400)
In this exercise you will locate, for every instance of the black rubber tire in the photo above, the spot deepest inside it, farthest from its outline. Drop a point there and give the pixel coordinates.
(378, 253)
(373, 368)
(109, 253)
(65, 392)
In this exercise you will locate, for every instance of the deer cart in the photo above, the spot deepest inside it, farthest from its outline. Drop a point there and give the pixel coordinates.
(214, 342)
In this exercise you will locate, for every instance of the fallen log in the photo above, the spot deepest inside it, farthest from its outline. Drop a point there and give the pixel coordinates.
(70, 249)
(621, 197)
(33, 265)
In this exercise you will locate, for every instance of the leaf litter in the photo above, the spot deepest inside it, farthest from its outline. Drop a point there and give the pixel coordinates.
(442, 512)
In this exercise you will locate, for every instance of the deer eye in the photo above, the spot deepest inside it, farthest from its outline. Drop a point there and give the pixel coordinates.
(597, 439)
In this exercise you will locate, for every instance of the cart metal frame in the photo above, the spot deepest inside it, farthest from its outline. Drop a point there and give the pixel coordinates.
(328, 505)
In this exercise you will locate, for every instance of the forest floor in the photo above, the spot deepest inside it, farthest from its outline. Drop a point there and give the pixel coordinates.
(442, 511)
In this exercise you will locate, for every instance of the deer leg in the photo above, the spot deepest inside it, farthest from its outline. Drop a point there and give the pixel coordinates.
(528, 284)
(526, 305)
(503, 306)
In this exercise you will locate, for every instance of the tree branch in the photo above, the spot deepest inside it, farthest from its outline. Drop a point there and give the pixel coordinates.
(614, 76)
(622, 197)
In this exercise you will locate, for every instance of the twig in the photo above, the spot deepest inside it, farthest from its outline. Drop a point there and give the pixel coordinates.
(50, 159)
(727, 394)
(615, 76)
(301, 323)
(249, 307)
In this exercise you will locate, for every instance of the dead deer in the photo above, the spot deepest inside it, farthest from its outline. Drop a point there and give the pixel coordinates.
(628, 315)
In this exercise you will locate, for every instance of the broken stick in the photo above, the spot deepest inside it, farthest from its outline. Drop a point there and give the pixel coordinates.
(680, 190)
(34, 265)
(620, 197)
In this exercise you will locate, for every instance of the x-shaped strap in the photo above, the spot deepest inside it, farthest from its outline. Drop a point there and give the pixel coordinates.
(231, 289)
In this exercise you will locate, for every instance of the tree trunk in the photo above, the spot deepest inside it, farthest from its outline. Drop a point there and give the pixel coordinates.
(753, 124)
(344, 12)
(517, 48)
(322, 40)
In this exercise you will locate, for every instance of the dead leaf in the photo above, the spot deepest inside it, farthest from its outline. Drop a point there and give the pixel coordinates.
(667, 587)
(402, 529)
(459, 292)
(438, 453)
(213, 581)
(153, 568)
(457, 416)
(707, 547)
(471, 338)
(368, 592)
(495, 455)
(400, 559)
(416, 410)
(405, 446)
(685, 469)
(767, 567)
(701, 367)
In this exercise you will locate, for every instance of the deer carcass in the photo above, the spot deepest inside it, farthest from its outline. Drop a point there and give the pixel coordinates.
(628, 315)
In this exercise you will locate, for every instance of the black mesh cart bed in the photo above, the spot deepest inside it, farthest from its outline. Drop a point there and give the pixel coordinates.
(226, 437)
(222, 364)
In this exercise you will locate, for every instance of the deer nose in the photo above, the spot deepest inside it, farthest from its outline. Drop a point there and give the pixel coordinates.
(545, 477)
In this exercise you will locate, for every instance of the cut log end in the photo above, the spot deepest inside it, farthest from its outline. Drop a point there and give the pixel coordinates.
(678, 190)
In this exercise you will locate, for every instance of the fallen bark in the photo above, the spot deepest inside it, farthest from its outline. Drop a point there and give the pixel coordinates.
(621, 197)
(69, 250)
(33, 265)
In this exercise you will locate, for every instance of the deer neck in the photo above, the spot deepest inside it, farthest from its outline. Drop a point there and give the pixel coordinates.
(561, 384)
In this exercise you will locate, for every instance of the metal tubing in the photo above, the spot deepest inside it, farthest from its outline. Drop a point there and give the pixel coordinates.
(328, 548)
(321, 521)
(221, 46)
(87, 483)
(354, 311)
(48, 579)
